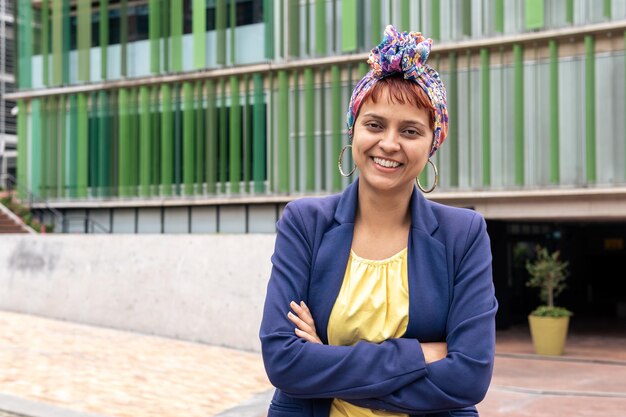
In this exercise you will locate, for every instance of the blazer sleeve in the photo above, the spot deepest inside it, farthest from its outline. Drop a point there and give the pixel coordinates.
(463, 377)
(307, 370)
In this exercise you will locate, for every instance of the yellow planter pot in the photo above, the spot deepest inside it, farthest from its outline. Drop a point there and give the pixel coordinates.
(548, 334)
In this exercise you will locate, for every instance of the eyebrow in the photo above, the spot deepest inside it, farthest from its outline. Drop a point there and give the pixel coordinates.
(408, 121)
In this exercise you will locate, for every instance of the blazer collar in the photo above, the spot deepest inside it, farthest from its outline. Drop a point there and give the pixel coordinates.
(422, 216)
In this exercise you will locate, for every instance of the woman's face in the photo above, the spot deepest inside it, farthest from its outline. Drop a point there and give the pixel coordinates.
(390, 145)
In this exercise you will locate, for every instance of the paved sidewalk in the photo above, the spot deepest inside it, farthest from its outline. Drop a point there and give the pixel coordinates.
(51, 368)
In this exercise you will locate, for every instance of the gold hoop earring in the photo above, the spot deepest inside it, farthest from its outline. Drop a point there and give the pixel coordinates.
(340, 162)
(417, 180)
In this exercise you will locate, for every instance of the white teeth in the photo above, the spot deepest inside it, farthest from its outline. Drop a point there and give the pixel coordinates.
(386, 163)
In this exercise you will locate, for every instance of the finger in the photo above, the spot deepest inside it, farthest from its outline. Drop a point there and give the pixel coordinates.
(306, 336)
(304, 314)
(300, 323)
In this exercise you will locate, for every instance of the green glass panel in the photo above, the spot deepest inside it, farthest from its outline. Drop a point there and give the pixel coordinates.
(154, 33)
(35, 146)
(283, 132)
(104, 37)
(124, 37)
(376, 22)
(235, 136)
(320, 27)
(486, 116)
(220, 31)
(518, 111)
(57, 42)
(145, 148)
(309, 128)
(104, 144)
(498, 16)
(452, 88)
(211, 137)
(198, 111)
(223, 136)
(73, 142)
(66, 42)
(188, 139)
(176, 25)
(167, 141)
(293, 13)
(349, 25)
(435, 19)
(405, 15)
(590, 108)
(45, 42)
(84, 39)
(233, 29)
(268, 17)
(199, 33)
(534, 14)
(22, 147)
(336, 121)
(124, 147)
(554, 112)
(82, 150)
(258, 135)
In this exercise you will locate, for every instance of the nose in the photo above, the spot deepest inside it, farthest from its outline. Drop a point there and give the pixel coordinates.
(389, 142)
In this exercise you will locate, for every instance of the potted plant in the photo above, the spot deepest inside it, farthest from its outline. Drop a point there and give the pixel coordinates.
(548, 323)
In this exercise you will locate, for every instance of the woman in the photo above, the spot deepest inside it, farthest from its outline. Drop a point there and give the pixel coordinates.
(380, 301)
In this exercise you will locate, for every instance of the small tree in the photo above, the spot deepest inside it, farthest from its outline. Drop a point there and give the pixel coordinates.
(548, 273)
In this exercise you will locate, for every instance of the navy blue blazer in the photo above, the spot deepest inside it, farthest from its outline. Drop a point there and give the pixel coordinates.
(451, 299)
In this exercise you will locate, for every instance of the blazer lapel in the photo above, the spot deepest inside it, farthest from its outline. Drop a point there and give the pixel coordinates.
(332, 258)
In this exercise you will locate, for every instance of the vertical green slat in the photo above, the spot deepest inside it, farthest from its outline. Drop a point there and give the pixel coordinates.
(57, 42)
(134, 139)
(61, 146)
(223, 140)
(375, 22)
(188, 139)
(167, 141)
(296, 125)
(466, 20)
(66, 41)
(155, 133)
(569, 11)
(453, 107)
(211, 137)
(124, 38)
(82, 146)
(176, 25)
(307, 28)
(268, 17)
(22, 147)
(281, 28)
(177, 137)
(518, 111)
(145, 150)
(104, 144)
(93, 180)
(44, 140)
(435, 19)
(73, 140)
(25, 44)
(124, 148)
(590, 108)
(533, 14)
(235, 136)
(165, 33)
(84, 40)
(247, 134)
(198, 112)
(45, 43)
(220, 31)
(258, 135)
(199, 33)
(607, 9)
(554, 112)
(486, 116)
(52, 148)
(336, 116)
(293, 16)
(36, 138)
(154, 32)
(405, 15)
(349, 25)
(233, 30)
(309, 128)
(104, 37)
(320, 27)
(283, 132)
(271, 133)
(498, 12)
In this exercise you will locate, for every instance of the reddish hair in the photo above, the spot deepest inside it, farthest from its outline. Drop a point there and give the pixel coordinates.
(400, 91)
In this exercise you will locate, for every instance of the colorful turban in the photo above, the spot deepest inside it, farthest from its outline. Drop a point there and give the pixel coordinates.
(404, 53)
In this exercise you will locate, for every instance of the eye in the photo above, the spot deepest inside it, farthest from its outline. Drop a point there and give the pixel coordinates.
(413, 132)
(373, 125)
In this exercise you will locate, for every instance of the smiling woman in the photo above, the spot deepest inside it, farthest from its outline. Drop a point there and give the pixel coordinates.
(391, 295)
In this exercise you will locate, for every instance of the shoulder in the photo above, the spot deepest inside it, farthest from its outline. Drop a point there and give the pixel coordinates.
(312, 212)
(458, 222)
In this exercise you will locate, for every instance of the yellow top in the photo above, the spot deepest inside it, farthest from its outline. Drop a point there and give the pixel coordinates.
(372, 305)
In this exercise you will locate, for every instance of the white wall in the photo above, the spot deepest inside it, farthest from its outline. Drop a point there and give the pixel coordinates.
(201, 288)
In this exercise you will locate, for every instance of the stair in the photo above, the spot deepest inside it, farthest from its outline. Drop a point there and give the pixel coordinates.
(10, 225)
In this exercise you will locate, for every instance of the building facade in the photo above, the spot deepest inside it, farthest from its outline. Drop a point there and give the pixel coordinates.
(201, 116)
(8, 138)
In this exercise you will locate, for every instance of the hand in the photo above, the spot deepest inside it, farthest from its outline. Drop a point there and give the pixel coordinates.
(303, 319)
(434, 351)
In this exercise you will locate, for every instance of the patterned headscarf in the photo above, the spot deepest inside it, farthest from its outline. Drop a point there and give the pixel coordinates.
(404, 53)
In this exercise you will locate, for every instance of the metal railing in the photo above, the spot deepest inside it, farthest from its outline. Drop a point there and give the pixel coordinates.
(90, 225)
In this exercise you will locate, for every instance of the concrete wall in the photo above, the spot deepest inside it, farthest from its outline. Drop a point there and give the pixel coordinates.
(201, 288)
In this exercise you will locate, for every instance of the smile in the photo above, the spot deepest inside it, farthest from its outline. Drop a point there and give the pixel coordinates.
(386, 162)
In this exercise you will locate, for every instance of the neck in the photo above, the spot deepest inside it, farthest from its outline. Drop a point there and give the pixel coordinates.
(384, 211)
